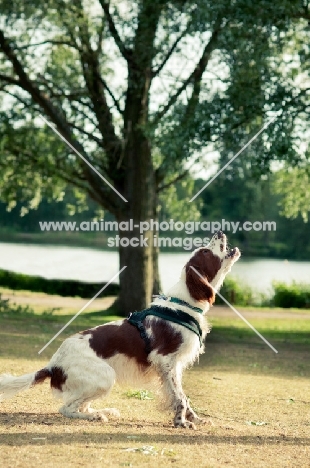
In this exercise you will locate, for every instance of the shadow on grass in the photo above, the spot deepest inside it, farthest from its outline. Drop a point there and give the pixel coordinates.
(105, 439)
(237, 335)
(23, 335)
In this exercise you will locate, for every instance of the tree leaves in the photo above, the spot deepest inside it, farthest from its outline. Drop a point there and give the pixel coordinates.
(292, 183)
(89, 63)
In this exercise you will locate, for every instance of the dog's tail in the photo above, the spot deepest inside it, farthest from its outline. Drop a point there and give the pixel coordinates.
(10, 385)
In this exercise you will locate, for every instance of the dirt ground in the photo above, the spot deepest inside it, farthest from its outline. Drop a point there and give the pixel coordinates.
(54, 301)
(45, 300)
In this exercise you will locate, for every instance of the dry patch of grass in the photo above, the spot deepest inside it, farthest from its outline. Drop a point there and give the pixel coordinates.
(53, 304)
(257, 403)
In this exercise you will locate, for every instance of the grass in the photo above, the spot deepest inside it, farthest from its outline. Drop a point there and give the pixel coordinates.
(139, 394)
(54, 305)
(257, 402)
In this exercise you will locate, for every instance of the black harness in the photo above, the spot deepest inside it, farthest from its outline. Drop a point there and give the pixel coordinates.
(176, 316)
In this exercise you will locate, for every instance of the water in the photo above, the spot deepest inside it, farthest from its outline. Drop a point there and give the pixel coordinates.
(99, 266)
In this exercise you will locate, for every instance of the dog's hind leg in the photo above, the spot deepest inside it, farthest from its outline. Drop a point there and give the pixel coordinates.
(81, 388)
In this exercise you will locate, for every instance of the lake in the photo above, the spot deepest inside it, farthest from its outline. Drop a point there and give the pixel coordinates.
(99, 266)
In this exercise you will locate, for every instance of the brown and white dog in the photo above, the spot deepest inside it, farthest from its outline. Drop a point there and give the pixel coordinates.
(87, 364)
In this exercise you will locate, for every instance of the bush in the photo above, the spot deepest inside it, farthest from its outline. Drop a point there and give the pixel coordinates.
(291, 295)
(19, 281)
(8, 308)
(236, 292)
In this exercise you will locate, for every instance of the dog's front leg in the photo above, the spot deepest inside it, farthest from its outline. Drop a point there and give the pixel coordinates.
(180, 419)
(172, 385)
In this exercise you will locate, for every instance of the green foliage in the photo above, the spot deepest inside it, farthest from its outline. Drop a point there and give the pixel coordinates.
(294, 295)
(173, 203)
(251, 200)
(75, 63)
(23, 183)
(256, 423)
(139, 394)
(7, 307)
(292, 184)
(73, 288)
(236, 293)
(50, 210)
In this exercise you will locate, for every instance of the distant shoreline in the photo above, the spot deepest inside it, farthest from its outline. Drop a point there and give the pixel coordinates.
(95, 240)
(98, 240)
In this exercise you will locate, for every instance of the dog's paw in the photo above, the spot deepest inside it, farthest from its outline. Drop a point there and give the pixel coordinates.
(205, 421)
(98, 416)
(201, 421)
(185, 424)
(111, 412)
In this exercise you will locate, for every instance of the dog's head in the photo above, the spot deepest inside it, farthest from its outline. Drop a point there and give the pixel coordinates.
(208, 266)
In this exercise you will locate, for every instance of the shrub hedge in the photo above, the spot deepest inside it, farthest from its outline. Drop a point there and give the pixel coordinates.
(294, 295)
(19, 281)
(237, 293)
(291, 295)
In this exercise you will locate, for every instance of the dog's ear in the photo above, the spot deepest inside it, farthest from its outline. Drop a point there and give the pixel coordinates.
(197, 284)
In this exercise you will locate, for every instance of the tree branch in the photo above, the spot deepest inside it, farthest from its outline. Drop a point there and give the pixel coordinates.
(10, 79)
(84, 114)
(91, 71)
(93, 80)
(195, 76)
(59, 119)
(26, 104)
(303, 13)
(20, 151)
(100, 36)
(71, 97)
(161, 175)
(168, 55)
(173, 181)
(140, 69)
(116, 103)
(90, 135)
(200, 69)
(126, 53)
(42, 80)
(25, 83)
(53, 42)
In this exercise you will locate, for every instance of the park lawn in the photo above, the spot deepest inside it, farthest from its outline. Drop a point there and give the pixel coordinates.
(48, 305)
(257, 402)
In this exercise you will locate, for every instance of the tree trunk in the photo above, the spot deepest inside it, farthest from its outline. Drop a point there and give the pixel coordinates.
(136, 281)
(140, 280)
(156, 276)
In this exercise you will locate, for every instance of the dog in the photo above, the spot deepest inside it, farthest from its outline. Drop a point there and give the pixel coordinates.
(152, 346)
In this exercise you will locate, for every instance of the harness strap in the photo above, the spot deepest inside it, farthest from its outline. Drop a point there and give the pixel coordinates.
(144, 336)
(175, 316)
(178, 301)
